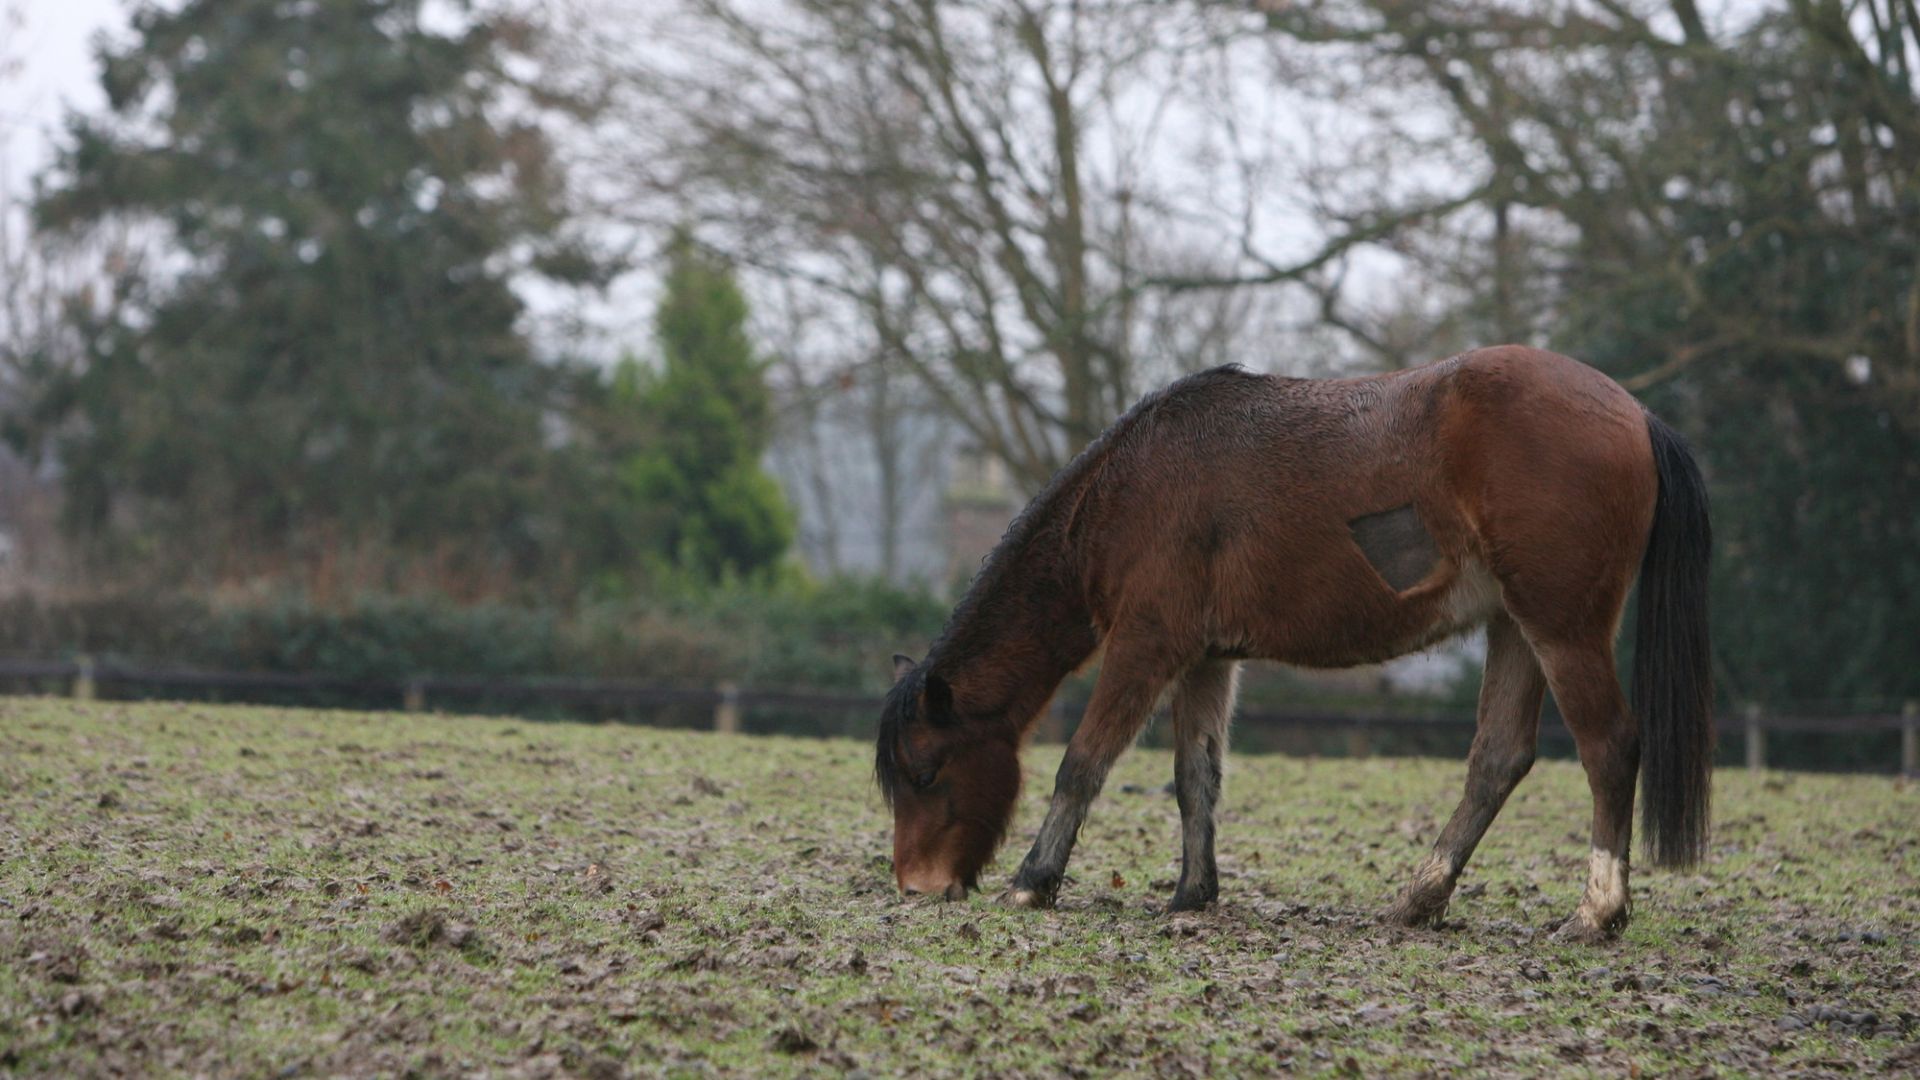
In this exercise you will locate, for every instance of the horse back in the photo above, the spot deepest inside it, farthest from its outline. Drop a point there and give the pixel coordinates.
(1344, 521)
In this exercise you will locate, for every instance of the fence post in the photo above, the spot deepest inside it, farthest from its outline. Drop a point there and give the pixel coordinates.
(84, 688)
(726, 712)
(1756, 740)
(1910, 739)
(414, 697)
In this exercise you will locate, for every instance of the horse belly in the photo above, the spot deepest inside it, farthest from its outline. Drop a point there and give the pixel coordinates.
(1369, 625)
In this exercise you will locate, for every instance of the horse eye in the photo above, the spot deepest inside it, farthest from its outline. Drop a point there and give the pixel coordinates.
(925, 775)
(918, 779)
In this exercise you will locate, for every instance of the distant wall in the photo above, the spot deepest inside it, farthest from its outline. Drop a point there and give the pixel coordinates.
(833, 463)
(30, 545)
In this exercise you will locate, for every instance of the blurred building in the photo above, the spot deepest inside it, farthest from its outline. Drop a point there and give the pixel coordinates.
(867, 483)
(978, 501)
(29, 525)
(889, 488)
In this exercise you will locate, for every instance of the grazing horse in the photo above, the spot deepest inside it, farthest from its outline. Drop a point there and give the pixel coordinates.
(1328, 523)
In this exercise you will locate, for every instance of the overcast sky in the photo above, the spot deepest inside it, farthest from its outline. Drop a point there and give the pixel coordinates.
(51, 44)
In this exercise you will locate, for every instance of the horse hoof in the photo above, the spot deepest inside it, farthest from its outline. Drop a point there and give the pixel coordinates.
(1415, 913)
(1579, 929)
(1195, 902)
(1027, 899)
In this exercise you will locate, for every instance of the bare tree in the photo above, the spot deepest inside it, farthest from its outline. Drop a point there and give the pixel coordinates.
(859, 442)
(31, 289)
(50, 286)
(1599, 138)
(1006, 194)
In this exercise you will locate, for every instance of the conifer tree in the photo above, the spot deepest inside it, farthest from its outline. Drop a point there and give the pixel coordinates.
(707, 409)
(332, 353)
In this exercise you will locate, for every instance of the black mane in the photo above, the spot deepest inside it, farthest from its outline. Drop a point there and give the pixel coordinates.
(886, 771)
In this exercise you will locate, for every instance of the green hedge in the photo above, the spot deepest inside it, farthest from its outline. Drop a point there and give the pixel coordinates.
(786, 634)
(831, 635)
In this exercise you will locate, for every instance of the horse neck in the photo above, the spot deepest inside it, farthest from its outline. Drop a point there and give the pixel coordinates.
(1017, 641)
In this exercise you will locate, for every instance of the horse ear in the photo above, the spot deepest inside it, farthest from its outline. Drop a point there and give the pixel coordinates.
(902, 663)
(924, 746)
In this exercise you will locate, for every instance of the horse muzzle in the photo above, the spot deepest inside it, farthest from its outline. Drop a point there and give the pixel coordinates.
(948, 890)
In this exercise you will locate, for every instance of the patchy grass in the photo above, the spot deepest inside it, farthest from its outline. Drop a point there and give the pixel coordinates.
(239, 891)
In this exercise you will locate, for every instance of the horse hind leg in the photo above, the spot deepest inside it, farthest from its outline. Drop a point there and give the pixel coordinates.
(1504, 742)
(1202, 708)
(1607, 735)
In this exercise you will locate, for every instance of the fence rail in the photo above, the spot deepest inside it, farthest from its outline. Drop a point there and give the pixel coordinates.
(85, 678)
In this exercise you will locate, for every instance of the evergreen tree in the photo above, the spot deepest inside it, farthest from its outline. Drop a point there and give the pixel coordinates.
(714, 509)
(333, 357)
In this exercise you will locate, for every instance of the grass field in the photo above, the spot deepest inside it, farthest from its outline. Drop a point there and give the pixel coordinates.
(238, 891)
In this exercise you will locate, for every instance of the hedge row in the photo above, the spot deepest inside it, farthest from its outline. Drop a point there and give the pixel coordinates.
(834, 635)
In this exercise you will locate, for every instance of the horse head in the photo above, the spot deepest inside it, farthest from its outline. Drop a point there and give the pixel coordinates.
(950, 779)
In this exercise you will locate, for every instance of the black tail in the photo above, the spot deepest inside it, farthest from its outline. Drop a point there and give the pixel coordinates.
(1672, 673)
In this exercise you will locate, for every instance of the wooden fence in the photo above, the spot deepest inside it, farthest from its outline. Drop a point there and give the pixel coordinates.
(85, 679)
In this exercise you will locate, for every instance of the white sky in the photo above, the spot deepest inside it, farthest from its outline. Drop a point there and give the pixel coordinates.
(51, 44)
(47, 69)
(47, 44)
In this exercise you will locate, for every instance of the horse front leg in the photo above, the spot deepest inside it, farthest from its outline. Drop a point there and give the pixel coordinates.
(1129, 685)
(1202, 709)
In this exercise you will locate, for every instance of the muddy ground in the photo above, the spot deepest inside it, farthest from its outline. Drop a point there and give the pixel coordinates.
(250, 892)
